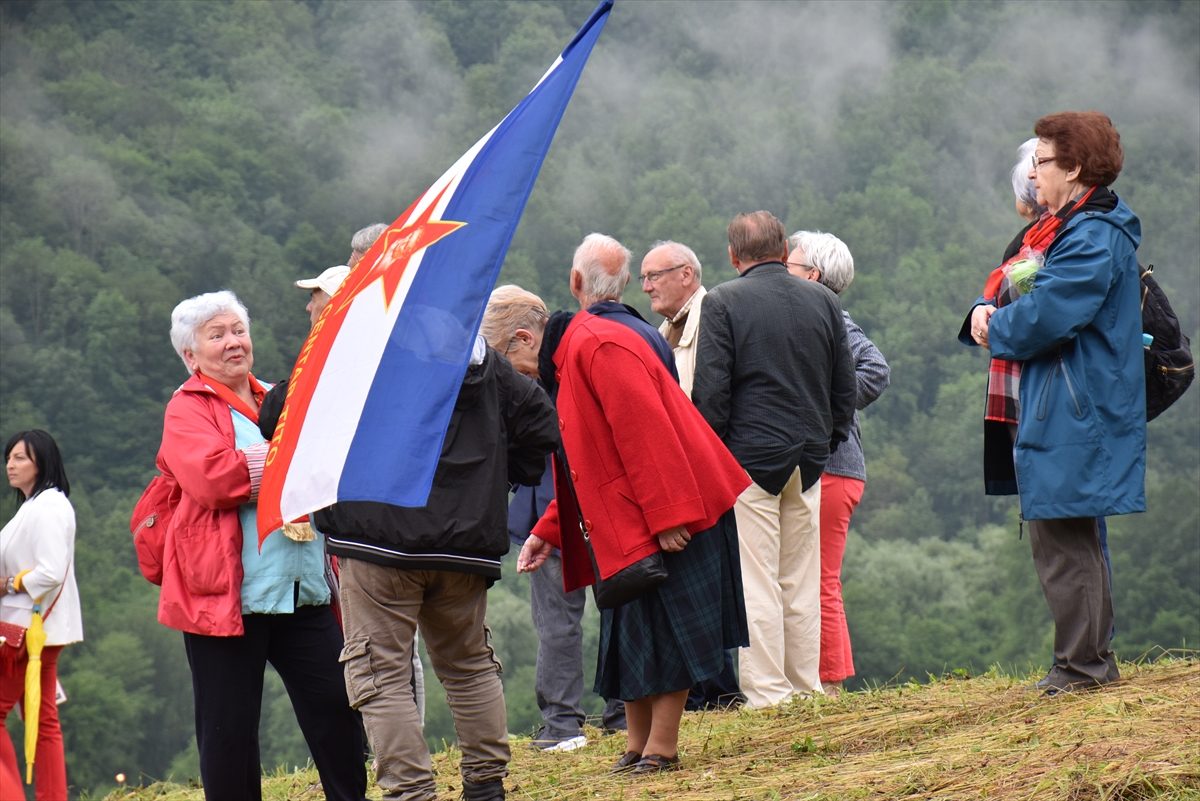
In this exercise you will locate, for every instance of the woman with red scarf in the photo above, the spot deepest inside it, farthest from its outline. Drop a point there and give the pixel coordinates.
(1066, 413)
(240, 606)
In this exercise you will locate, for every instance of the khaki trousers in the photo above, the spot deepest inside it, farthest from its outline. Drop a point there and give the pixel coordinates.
(382, 608)
(780, 539)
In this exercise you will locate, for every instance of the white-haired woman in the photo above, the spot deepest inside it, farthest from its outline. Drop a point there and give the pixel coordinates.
(823, 257)
(240, 607)
(1024, 188)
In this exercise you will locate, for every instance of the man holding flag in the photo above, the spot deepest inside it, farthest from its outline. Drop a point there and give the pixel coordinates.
(430, 567)
(402, 430)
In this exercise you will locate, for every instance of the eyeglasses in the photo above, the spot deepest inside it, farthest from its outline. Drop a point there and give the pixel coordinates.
(804, 267)
(653, 277)
(1035, 162)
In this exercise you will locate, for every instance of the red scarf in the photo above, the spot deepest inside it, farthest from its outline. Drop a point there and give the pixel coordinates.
(233, 399)
(1039, 237)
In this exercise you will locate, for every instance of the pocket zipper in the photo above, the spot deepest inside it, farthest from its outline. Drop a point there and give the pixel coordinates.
(1044, 395)
(1070, 388)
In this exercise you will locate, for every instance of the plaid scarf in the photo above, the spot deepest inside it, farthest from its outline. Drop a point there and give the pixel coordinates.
(1004, 377)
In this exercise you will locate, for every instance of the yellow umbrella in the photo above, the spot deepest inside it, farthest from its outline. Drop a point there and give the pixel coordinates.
(35, 638)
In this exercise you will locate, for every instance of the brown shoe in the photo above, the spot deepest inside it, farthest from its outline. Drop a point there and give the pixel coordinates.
(626, 762)
(653, 763)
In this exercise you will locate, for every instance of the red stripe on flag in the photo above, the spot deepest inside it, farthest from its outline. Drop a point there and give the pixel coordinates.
(387, 258)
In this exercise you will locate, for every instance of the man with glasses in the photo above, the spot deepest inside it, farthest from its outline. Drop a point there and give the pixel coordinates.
(775, 379)
(671, 277)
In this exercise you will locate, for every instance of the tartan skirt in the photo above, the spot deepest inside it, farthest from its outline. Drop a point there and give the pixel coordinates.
(676, 635)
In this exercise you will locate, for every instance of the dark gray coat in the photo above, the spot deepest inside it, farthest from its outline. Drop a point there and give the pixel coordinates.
(774, 374)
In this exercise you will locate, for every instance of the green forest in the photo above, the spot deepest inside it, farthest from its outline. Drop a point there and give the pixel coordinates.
(150, 151)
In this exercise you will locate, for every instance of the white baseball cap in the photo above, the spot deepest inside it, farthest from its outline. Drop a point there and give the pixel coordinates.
(328, 281)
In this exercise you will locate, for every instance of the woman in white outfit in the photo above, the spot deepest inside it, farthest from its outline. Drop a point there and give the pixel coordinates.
(37, 554)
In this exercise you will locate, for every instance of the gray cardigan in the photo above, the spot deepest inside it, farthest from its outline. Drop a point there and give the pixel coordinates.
(873, 376)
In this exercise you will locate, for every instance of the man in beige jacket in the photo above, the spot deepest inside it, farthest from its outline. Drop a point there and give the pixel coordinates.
(671, 277)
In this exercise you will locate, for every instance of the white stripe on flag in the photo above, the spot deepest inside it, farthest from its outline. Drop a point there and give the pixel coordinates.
(349, 372)
(337, 404)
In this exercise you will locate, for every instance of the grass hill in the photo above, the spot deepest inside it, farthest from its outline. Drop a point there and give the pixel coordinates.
(957, 737)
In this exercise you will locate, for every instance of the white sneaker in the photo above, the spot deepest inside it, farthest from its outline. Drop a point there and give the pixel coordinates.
(578, 741)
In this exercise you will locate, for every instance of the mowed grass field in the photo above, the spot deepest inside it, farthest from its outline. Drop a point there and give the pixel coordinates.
(957, 737)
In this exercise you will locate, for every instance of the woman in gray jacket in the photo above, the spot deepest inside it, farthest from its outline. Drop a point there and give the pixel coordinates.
(825, 258)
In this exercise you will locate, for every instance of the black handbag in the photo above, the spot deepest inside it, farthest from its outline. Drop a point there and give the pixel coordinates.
(627, 584)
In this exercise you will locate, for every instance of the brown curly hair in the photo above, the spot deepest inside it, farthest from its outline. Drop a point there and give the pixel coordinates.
(1087, 140)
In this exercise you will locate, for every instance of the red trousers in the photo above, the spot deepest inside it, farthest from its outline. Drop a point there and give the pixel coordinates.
(49, 767)
(839, 496)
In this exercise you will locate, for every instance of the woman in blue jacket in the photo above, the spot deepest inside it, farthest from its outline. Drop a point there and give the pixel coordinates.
(1079, 450)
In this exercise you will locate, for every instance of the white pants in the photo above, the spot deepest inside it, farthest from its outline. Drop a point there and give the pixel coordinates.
(780, 544)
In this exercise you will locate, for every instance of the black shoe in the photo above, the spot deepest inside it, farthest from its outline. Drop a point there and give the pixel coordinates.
(485, 791)
(1055, 683)
(1072, 687)
(626, 762)
(653, 763)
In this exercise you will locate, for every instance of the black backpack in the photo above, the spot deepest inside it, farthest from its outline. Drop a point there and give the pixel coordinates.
(1169, 364)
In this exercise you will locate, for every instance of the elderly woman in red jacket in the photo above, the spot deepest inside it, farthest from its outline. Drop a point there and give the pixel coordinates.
(650, 475)
(240, 606)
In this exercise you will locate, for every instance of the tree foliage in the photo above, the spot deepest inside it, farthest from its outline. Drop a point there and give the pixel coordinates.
(152, 151)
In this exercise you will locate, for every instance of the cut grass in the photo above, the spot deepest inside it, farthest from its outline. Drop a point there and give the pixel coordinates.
(989, 737)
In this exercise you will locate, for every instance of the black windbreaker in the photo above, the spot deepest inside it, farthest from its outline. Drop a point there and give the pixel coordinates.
(502, 427)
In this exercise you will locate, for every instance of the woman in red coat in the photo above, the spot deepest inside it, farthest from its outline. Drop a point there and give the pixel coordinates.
(241, 605)
(649, 474)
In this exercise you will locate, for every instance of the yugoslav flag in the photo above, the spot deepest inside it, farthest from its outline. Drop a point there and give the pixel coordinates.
(371, 395)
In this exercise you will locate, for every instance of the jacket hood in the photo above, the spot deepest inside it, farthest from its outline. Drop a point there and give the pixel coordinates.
(1117, 215)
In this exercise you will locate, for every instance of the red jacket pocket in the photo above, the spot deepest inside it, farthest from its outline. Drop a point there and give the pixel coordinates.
(620, 519)
(202, 557)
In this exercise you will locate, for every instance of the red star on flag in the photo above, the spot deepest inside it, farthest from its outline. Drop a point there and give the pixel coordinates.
(399, 246)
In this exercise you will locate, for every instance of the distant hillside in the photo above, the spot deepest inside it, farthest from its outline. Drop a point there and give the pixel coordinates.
(953, 738)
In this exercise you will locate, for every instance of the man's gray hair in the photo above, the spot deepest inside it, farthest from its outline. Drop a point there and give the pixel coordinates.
(594, 260)
(680, 254)
(363, 240)
(1022, 184)
(827, 253)
(190, 315)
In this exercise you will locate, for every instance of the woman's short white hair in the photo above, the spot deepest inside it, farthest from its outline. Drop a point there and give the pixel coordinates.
(191, 314)
(828, 254)
(593, 260)
(1022, 184)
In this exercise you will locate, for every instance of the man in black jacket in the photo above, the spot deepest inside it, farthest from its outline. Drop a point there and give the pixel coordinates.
(775, 379)
(429, 568)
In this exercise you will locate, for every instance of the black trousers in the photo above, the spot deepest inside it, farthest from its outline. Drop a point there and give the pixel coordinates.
(227, 683)
(719, 692)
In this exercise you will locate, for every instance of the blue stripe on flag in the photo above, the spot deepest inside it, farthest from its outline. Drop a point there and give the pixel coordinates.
(399, 438)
